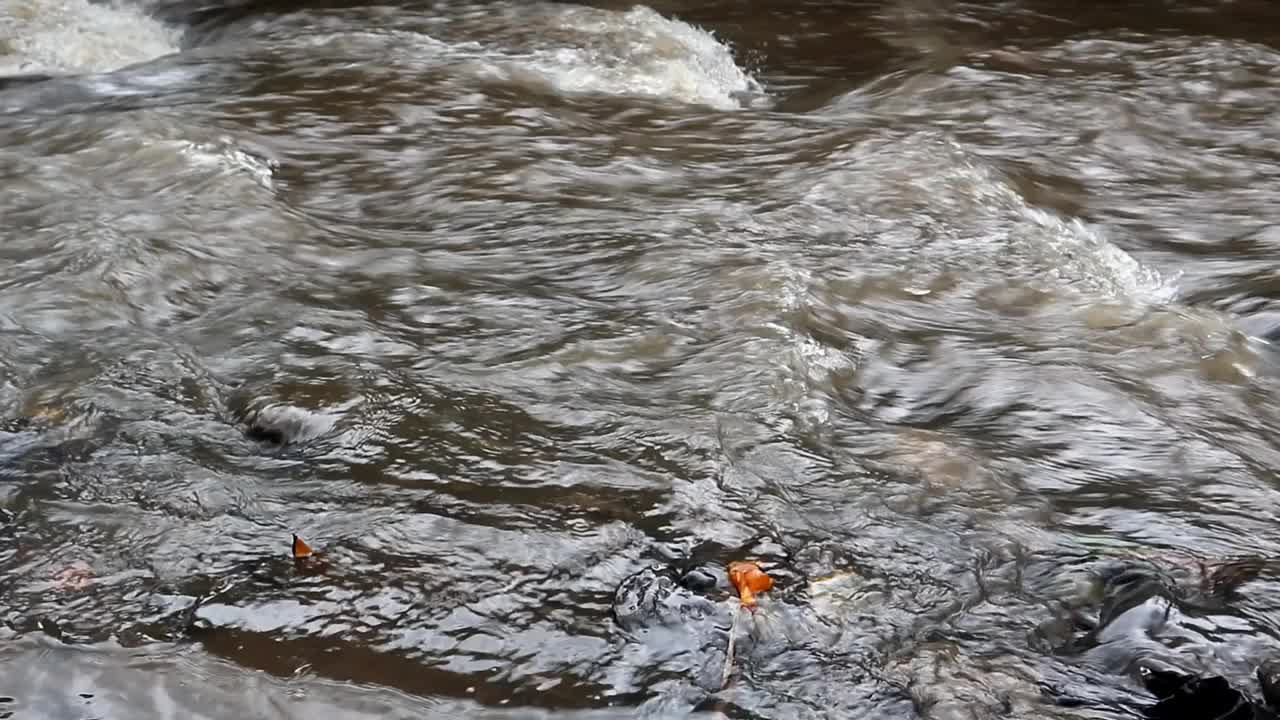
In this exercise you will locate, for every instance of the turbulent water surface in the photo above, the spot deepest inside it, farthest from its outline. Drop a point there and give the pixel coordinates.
(945, 311)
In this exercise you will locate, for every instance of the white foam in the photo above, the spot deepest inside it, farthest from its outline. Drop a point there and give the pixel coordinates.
(963, 214)
(573, 51)
(225, 155)
(1072, 253)
(77, 36)
(642, 53)
(1075, 253)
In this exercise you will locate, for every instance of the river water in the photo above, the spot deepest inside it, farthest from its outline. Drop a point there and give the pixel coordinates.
(940, 309)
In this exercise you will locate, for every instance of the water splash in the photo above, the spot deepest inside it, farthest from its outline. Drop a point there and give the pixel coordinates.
(958, 209)
(77, 36)
(642, 53)
(570, 51)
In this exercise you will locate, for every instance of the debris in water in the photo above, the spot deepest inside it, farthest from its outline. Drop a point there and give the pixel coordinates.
(728, 651)
(301, 550)
(76, 576)
(1223, 579)
(748, 579)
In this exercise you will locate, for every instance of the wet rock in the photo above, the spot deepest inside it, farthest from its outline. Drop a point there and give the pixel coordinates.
(945, 682)
(11, 81)
(1161, 680)
(720, 708)
(1269, 678)
(1138, 622)
(280, 424)
(1144, 614)
(1125, 588)
(262, 433)
(654, 597)
(701, 580)
(1190, 698)
(1223, 580)
(1139, 599)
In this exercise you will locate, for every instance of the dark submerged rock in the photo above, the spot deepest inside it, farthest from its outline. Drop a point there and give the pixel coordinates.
(11, 81)
(1182, 697)
(654, 597)
(1222, 581)
(264, 434)
(1269, 678)
(700, 580)
(281, 424)
(1140, 610)
(1140, 598)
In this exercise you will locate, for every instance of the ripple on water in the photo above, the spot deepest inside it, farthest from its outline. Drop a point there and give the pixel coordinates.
(501, 306)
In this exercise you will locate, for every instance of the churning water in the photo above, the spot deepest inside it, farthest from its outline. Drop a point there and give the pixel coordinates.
(952, 314)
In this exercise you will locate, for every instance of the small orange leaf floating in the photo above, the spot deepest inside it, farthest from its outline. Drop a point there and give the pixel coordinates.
(301, 550)
(305, 559)
(748, 579)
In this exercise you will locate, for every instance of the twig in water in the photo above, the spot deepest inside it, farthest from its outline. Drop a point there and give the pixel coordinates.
(728, 652)
(748, 579)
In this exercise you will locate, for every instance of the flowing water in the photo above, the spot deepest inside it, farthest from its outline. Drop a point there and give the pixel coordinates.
(943, 310)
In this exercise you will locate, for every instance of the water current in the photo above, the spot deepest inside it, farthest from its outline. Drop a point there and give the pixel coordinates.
(946, 312)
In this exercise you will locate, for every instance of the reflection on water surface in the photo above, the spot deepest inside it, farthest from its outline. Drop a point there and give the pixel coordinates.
(952, 315)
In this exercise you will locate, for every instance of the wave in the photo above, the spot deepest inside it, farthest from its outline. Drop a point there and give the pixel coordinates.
(571, 51)
(638, 53)
(54, 37)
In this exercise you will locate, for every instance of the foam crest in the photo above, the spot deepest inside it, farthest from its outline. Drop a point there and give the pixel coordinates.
(954, 211)
(224, 155)
(77, 36)
(572, 51)
(642, 53)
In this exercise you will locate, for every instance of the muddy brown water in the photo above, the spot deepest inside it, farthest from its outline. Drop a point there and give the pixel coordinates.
(497, 303)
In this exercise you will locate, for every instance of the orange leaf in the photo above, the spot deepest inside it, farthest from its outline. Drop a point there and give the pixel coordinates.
(748, 579)
(301, 550)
